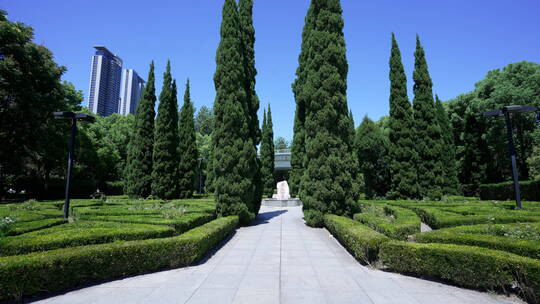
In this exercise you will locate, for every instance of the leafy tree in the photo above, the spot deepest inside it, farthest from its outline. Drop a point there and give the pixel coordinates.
(402, 153)
(280, 143)
(298, 144)
(429, 141)
(372, 148)
(187, 148)
(165, 167)
(138, 181)
(234, 155)
(328, 184)
(204, 121)
(534, 160)
(450, 185)
(267, 154)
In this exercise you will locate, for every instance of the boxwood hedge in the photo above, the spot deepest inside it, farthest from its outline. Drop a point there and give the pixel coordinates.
(79, 233)
(362, 241)
(404, 222)
(60, 269)
(24, 227)
(465, 265)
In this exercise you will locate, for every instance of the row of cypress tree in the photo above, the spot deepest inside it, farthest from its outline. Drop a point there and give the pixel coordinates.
(267, 154)
(162, 154)
(324, 164)
(422, 153)
(236, 170)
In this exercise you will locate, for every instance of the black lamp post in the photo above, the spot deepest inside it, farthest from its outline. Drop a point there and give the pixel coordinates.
(506, 111)
(71, 153)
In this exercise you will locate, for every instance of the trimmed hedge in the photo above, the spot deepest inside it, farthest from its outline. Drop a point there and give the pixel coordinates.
(518, 246)
(62, 269)
(182, 224)
(465, 265)
(530, 190)
(25, 227)
(405, 222)
(362, 241)
(78, 234)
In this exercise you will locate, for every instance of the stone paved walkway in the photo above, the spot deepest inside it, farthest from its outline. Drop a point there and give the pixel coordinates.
(278, 260)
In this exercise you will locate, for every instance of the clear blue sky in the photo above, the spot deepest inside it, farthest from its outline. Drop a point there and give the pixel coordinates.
(463, 40)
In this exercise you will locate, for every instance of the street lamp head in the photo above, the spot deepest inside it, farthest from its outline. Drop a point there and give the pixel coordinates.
(63, 115)
(519, 109)
(85, 117)
(71, 115)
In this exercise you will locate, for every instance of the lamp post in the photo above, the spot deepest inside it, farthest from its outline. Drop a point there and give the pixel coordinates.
(71, 153)
(506, 111)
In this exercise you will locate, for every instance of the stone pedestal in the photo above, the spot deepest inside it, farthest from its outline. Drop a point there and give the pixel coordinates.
(282, 198)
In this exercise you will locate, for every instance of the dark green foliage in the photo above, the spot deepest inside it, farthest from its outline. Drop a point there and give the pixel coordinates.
(372, 148)
(234, 160)
(71, 267)
(300, 96)
(187, 148)
(328, 184)
(280, 143)
(397, 223)
(465, 265)
(450, 185)
(362, 241)
(204, 121)
(402, 153)
(530, 190)
(165, 166)
(267, 154)
(78, 234)
(141, 146)
(314, 218)
(428, 140)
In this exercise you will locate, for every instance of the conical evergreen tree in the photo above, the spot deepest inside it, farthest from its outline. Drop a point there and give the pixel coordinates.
(235, 157)
(428, 132)
(298, 144)
(449, 150)
(138, 181)
(245, 8)
(372, 148)
(267, 154)
(328, 178)
(403, 156)
(165, 170)
(187, 148)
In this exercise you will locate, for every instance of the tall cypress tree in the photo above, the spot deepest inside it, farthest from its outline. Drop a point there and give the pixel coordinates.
(165, 170)
(450, 185)
(403, 156)
(300, 96)
(267, 154)
(428, 132)
(187, 148)
(328, 177)
(138, 181)
(245, 8)
(235, 157)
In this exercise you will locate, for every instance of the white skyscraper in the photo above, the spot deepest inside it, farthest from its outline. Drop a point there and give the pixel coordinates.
(130, 92)
(104, 93)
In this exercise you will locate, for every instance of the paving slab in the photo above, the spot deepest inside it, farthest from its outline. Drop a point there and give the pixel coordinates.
(277, 260)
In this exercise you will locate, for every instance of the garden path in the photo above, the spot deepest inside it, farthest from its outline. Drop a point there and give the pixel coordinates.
(277, 260)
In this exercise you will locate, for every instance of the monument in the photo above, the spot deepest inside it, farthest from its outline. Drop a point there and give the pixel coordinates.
(282, 198)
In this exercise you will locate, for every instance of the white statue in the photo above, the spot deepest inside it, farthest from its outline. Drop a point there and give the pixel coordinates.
(283, 191)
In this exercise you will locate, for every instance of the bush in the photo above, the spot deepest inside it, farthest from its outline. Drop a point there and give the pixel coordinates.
(469, 190)
(24, 227)
(79, 233)
(398, 223)
(465, 265)
(530, 190)
(362, 241)
(114, 188)
(314, 218)
(60, 269)
(181, 224)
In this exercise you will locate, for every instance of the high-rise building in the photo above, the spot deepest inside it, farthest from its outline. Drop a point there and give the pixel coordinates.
(105, 76)
(130, 92)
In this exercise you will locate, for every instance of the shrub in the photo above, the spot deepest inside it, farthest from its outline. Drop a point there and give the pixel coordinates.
(24, 227)
(530, 190)
(180, 224)
(398, 223)
(79, 233)
(314, 218)
(60, 269)
(114, 188)
(362, 241)
(465, 265)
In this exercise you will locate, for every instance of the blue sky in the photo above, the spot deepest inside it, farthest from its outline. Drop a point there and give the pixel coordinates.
(463, 40)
